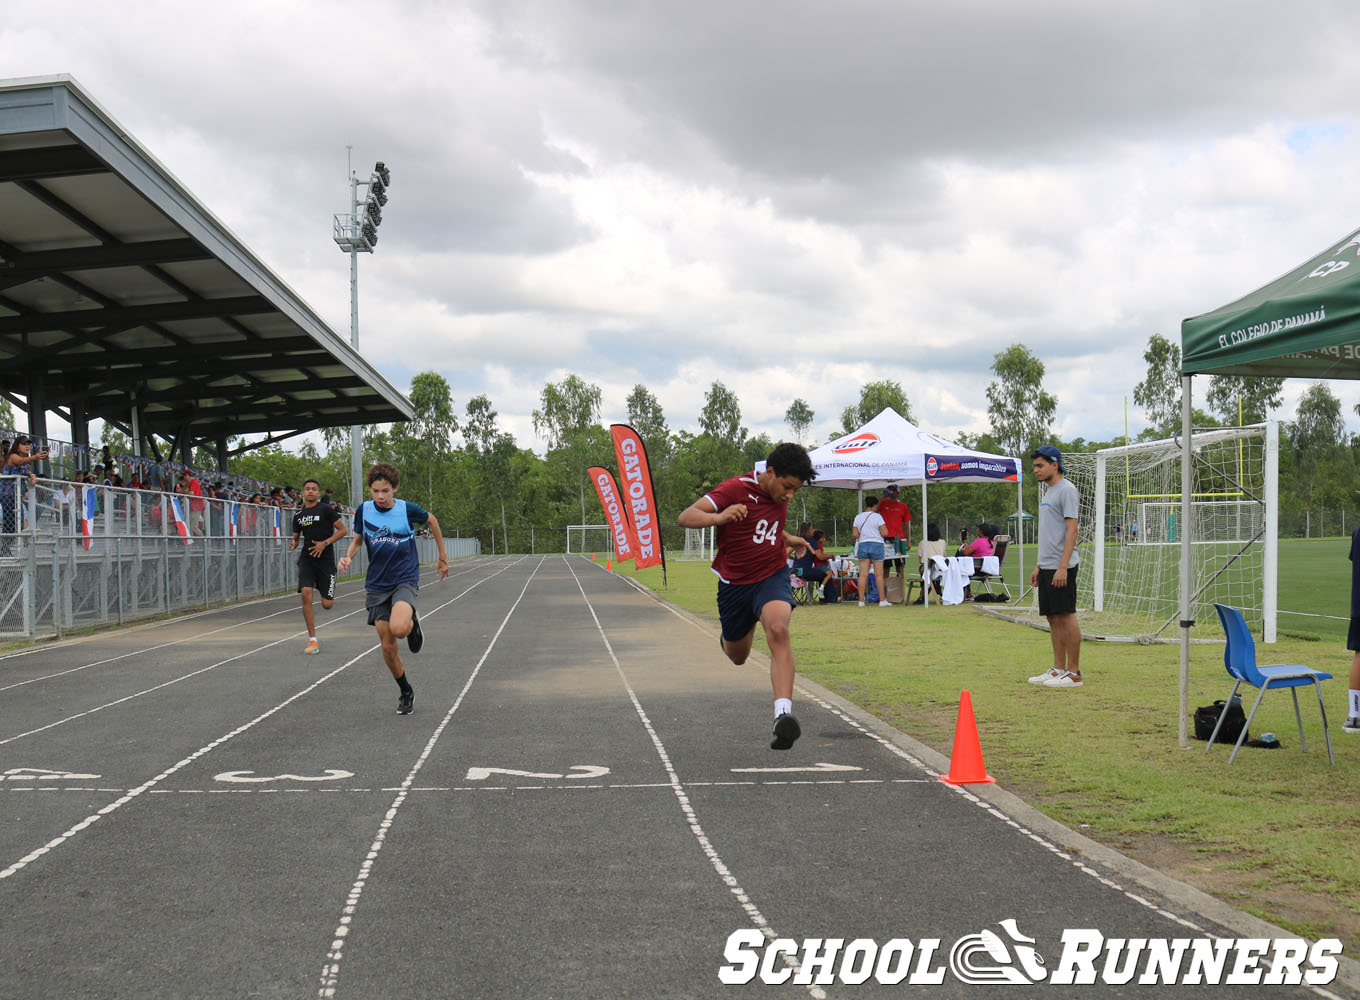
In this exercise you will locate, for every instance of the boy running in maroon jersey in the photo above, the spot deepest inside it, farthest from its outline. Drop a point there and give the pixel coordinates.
(753, 577)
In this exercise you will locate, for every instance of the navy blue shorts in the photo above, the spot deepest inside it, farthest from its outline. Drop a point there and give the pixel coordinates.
(740, 604)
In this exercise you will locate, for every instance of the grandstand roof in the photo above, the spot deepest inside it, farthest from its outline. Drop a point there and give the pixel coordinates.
(118, 288)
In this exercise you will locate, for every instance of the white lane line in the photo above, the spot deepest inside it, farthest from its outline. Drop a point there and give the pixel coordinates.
(178, 619)
(292, 609)
(293, 636)
(962, 790)
(330, 972)
(691, 817)
(157, 687)
(146, 786)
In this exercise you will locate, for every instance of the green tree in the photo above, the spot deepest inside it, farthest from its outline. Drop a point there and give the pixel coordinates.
(874, 398)
(423, 444)
(566, 407)
(1316, 435)
(1020, 409)
(799, 418)
(645, 417)
(1258, 396)
(720, 418)
(1159, 394)
(480, 429)
(758, 448)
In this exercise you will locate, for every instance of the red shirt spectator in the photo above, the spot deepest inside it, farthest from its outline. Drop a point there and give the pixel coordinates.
(896, 516)
(188, 484)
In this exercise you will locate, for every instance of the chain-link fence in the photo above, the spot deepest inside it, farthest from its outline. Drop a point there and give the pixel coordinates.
(1320, 522)
(73, 556)
(520, 538)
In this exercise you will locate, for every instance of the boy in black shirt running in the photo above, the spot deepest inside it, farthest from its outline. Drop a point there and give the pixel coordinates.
(319, 527)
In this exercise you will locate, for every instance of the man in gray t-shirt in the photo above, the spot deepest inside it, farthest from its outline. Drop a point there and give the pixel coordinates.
(1055, 571)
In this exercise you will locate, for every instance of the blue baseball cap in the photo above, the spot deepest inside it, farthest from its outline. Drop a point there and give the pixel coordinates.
(1052, 454)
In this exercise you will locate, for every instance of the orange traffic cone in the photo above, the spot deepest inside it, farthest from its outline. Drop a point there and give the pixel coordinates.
(966, 766)
(593, 557)
(609, 565)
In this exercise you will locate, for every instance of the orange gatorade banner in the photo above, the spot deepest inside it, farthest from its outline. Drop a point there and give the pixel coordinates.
(636, 477)
(615, 512)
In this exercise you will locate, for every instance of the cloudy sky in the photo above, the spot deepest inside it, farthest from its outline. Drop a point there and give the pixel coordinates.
(794, 197)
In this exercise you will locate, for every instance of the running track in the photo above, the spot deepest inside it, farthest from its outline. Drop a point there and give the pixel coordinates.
(582, 805)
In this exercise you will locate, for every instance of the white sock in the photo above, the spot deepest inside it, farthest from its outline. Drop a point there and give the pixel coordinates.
(782, 706)
(1355, 701)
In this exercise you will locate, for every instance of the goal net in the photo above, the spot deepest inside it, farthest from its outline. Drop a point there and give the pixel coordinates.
(592, 538)
(1130, 532)
(699, 543)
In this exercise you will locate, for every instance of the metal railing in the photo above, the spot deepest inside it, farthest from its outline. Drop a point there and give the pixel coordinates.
(62, 570)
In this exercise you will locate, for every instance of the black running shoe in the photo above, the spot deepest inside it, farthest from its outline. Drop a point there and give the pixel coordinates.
(786, 732)
(406, 702)
(417, 638)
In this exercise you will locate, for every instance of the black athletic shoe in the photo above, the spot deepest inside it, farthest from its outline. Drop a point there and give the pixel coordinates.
(417, 638)
(786, 732)
(406, 702)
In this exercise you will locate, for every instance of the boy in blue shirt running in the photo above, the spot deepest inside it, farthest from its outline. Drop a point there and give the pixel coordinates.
(384, 526)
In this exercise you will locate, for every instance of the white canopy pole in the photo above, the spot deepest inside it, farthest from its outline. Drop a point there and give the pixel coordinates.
(1187, 485)
(925, 547)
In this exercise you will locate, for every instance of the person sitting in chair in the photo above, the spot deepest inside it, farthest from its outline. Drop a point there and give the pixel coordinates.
(979, 547)
(934, 545)
(981, 544)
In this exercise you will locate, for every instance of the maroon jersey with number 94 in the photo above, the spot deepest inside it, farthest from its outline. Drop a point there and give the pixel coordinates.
(752, 549)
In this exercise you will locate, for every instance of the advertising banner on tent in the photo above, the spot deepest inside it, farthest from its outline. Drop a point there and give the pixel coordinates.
(615, 513)
(636, 476)
(974, 467)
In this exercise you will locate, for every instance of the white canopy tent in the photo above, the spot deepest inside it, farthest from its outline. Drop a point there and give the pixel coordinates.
(890, 450)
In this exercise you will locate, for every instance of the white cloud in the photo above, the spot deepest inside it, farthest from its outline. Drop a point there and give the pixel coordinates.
(667, 193)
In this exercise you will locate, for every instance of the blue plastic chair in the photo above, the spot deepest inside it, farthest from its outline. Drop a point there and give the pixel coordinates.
(1239, 656)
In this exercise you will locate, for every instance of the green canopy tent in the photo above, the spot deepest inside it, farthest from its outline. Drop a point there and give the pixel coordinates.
(1304, 324)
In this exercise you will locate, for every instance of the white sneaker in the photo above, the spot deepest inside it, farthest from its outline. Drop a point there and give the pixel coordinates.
(885, 604)
(1066, 679)
(1351, 725)
(1046, 676)
(861, 604)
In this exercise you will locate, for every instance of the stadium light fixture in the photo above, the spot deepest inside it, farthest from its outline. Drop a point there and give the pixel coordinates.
(356, 233)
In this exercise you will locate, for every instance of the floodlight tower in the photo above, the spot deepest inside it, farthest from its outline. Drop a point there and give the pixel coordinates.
(357, 233)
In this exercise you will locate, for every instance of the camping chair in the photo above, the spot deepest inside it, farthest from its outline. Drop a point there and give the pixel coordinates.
(804, 591)
(1001, 542)
(1239, 656)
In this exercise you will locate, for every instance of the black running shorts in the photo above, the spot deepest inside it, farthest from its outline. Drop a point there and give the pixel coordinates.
(1057, 600)
(318, 576)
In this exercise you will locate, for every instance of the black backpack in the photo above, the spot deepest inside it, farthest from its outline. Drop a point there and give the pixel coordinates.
(1206, 717)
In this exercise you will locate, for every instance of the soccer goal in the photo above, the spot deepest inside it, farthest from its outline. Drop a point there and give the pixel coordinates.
(699, 543)
(1130, 534)
(583, 538)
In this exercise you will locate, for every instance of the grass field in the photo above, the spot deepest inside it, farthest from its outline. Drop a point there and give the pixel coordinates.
(1276, 834)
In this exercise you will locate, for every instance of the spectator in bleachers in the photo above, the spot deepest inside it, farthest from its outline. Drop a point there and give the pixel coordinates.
(158, 477)
(18, 461)
(194, 490)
